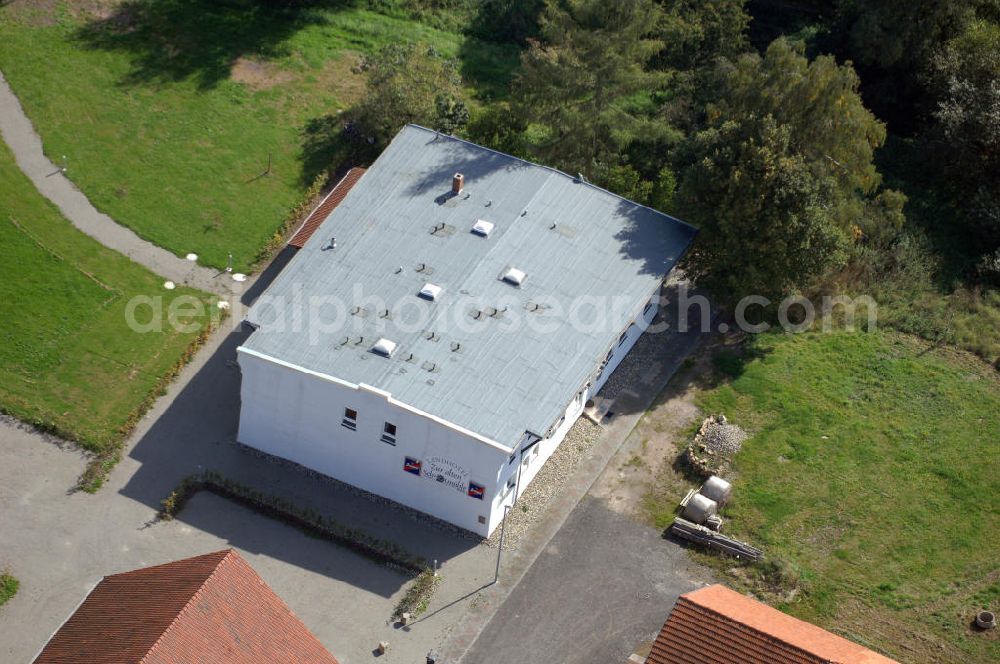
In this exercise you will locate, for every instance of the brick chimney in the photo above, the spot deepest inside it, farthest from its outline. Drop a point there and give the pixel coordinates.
(456, 183)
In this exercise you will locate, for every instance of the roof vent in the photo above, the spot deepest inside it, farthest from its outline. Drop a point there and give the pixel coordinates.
(514, 276)
(384, 347)
(430, 292)
(456, 183)
(442, 230)
(482, 227)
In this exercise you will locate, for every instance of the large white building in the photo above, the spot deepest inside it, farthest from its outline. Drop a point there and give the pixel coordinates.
(436, 336)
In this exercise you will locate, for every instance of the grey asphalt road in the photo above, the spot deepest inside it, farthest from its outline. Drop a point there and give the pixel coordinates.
(603, 586)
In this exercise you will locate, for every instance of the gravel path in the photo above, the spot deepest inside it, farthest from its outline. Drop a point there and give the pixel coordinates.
(636, 374)
(547, 483)
(24, 142)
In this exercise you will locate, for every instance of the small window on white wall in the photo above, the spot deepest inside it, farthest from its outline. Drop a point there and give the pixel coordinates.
(389, 433)
(529, 455)
(350, 419)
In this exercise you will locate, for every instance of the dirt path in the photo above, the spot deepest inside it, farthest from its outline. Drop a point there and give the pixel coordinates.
(638, 471)
(52, 182)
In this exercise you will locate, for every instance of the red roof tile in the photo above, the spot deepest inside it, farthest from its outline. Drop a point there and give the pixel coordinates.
(716, 625)
(325, 207)
(210, 608)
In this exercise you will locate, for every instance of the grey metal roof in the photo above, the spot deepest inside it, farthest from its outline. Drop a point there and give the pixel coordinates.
(490, 376)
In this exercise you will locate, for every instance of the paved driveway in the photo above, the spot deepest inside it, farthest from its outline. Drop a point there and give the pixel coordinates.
(602, 586)
(60, 543)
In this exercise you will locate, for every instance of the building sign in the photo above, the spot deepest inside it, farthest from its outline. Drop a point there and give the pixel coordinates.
(446, 472)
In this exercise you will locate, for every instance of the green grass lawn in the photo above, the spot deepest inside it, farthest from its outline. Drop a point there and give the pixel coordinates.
(69, 362)
(168, 111)
(872, 473)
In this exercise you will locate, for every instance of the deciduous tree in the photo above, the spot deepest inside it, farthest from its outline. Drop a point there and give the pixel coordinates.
(765, 216)
(409, 83)
(967, 74)
(783, 177)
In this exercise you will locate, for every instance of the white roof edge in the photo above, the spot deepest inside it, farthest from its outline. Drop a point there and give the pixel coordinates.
(368, 388)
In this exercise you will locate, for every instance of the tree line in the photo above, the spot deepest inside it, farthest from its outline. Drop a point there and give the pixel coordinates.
(766, 138)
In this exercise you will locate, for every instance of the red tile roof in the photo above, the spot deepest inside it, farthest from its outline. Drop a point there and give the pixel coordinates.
(325, 207)
(716, 625)
(210, 608)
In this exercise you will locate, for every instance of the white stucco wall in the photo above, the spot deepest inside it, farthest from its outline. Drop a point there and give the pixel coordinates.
(538, 454)
(296, 414)
(632, 334)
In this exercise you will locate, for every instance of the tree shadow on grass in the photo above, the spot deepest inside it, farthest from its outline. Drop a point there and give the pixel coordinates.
(731, 362)
(329, 146)
(489, 67)
(173, 40)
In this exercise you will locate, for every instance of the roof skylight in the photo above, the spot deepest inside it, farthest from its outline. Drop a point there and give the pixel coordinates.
(482, 227)
(430, 292)
(514, 276)
(384, 347)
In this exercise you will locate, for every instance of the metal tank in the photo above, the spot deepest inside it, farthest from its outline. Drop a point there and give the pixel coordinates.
(700, 508)
(717, 489)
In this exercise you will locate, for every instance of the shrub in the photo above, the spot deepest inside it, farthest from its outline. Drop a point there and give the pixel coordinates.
(308, 521)
(417, 596)
(8, 587)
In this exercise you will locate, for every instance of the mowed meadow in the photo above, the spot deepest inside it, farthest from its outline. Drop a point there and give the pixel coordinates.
(199, 124)
(70, 363)
(869, 480)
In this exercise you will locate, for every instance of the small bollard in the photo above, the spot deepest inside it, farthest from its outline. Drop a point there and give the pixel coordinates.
(383, 646)
(407, 618)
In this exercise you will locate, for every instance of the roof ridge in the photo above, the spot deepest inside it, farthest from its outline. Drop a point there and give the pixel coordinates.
(811, 652)
(230, 554)
(730, 619)
(744, 627)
